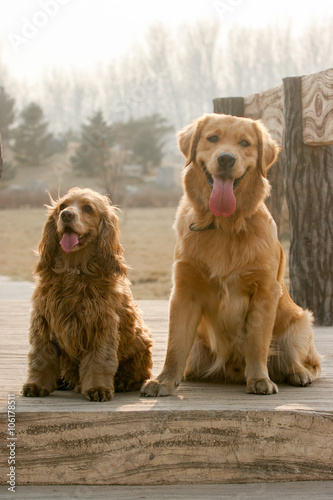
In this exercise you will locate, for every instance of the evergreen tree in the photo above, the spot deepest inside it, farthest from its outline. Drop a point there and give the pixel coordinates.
(7, 114)
(92, 155)
(32, 140)
(145, 137)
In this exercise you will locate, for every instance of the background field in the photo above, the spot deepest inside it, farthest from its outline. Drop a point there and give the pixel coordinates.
(146, 234)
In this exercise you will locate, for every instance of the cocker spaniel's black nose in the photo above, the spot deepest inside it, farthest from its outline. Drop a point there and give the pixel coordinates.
(67, 215)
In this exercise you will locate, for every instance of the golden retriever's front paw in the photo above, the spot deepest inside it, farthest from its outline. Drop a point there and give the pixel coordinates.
(99, 394)
(34, 391)
(300, 379)
(261, 386)
(153, 388)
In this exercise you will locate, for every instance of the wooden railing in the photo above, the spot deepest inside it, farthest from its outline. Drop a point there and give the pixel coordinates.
(299, 115)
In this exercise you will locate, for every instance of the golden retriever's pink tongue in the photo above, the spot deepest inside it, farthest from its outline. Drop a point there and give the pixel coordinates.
(222, 200)
(68, 241)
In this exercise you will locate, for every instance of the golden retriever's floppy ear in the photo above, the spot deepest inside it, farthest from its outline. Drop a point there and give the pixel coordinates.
(188, 139)
(48, 245)
(268, 148)
(110, 251)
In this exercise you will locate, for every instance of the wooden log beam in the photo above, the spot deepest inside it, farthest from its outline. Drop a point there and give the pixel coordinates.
(317, 105)
(229, 106)
(308, 177)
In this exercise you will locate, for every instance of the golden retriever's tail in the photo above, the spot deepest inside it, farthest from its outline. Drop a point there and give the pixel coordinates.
(294, 357)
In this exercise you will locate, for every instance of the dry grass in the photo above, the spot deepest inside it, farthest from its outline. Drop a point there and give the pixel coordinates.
(146, 234)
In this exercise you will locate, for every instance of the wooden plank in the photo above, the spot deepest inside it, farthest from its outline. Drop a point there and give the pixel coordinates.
(317, 108)
(207, 433)
(14, 324)
(316, 490)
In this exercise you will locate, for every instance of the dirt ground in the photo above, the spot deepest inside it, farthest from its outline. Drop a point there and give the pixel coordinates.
(146, 234)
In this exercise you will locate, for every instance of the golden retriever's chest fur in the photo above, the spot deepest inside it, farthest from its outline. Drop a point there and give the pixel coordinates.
(232, 265)
(225, 314)
(223, 252)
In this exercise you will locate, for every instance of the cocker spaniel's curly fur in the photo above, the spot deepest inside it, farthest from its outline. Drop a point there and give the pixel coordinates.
(86, 330)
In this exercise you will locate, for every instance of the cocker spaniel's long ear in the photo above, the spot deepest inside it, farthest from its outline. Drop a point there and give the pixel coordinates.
(110, 251)
(189, 137)
(48, 245)
(268, 148)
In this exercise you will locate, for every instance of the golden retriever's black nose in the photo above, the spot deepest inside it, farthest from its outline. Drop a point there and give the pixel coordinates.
(67, 215)
(226, 161)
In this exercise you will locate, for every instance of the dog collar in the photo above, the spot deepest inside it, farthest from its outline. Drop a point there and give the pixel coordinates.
(192, 227)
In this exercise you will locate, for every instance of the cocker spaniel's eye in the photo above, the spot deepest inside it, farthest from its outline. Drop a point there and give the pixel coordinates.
(88, 209)
(62, 207)
(213, 138)
(244, 143)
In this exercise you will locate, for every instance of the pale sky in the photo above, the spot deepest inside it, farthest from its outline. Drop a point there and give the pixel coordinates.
(39, 35)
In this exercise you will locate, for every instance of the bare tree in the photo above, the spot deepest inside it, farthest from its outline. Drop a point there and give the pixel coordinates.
(177, 74)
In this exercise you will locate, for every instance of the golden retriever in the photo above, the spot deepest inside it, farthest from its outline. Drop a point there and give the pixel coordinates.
(86, 330)
(231, 317)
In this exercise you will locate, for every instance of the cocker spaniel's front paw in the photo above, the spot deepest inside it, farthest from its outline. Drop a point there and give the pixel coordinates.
(34, 391)
(99, 394)
(153, 388)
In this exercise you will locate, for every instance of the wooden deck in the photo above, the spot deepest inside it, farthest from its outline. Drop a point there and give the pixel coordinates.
(207, 433)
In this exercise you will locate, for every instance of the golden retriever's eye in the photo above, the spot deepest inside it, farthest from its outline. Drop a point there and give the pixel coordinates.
(244, 143)
(88, 209)
(62, 207)
(213, 138)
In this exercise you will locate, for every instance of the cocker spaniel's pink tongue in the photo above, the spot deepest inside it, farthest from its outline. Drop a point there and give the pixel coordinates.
(222, 199)
(68, 241)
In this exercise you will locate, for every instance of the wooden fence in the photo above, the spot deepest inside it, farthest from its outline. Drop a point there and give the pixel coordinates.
(299, 115)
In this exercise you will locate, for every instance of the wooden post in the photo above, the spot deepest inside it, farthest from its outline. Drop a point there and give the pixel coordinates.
(308, 177)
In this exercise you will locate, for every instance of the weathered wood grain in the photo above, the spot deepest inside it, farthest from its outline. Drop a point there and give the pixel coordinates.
(268, 107)
(207, 433)
(172, 447)
(308, 176)
(317, 107)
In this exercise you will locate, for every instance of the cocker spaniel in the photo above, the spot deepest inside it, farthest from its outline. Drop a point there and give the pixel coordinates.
(86, 330)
